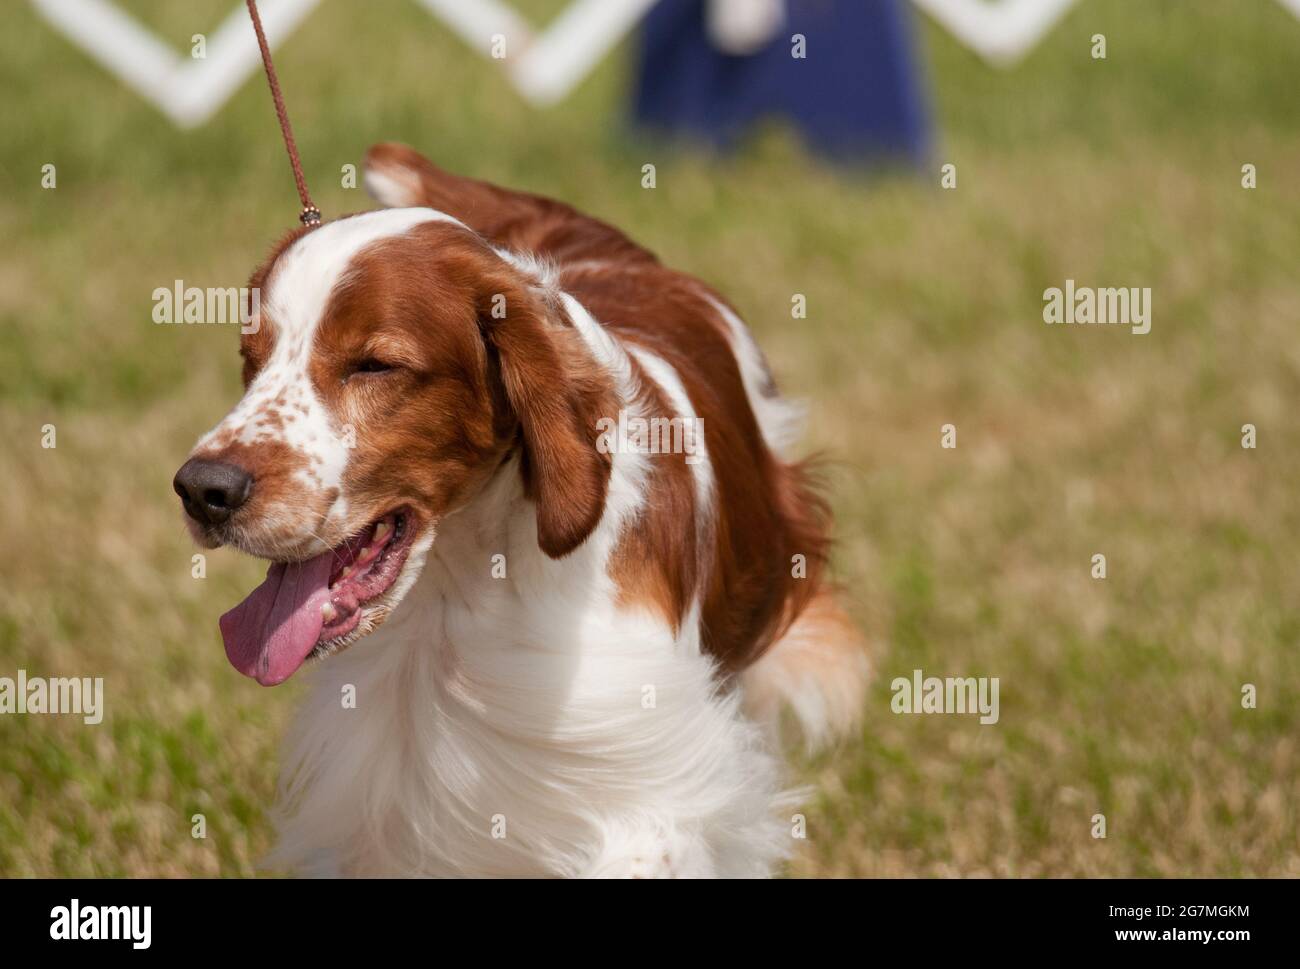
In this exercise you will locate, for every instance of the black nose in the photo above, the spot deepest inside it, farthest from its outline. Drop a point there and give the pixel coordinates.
(211, 490)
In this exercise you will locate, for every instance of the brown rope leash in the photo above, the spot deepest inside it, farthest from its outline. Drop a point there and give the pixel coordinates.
(310, 215)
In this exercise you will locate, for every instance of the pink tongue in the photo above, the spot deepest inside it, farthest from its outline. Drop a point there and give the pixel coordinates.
(269, 634)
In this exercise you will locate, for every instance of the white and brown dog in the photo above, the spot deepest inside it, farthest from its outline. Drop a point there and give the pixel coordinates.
(470, 445)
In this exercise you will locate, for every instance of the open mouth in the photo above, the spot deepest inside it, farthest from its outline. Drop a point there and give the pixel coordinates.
(365, 568)
(312, 608)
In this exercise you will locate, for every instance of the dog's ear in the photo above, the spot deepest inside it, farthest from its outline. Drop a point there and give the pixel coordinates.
(559, 394)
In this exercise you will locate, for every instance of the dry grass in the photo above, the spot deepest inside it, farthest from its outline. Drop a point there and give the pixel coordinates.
(1118, 696)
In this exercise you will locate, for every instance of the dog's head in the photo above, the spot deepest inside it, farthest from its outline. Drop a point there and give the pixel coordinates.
(396, 362)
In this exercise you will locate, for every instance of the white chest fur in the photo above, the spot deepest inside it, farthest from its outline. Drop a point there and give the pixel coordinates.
(510, 719)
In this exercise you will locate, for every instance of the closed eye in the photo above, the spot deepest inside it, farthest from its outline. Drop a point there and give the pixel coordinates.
(370, 365)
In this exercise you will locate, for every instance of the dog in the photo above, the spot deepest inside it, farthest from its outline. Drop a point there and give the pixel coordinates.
(528, 494)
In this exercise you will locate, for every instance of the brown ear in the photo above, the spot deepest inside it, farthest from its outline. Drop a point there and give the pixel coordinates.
(558, 393)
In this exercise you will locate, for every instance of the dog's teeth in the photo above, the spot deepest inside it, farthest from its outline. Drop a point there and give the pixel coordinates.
(343, 576)
(380, 531)
(328, 612)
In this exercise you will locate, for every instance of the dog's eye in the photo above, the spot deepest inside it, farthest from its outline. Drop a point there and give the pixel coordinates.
(369, 365)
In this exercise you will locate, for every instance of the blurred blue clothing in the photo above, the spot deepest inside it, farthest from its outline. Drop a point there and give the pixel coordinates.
(857, 95)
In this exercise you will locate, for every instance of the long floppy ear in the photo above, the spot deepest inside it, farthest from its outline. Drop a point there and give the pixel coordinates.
(559, 393)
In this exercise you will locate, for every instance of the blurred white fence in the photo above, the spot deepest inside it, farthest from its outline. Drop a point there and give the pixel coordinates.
(545, 65)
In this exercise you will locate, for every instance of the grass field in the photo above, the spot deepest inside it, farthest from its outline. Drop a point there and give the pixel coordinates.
(1119, 696)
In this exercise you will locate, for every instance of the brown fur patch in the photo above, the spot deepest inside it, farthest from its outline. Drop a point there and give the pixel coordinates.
(765, 511)
(464, 386)
(656, 562)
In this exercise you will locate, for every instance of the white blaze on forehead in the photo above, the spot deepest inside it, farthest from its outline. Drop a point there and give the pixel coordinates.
(281, 404)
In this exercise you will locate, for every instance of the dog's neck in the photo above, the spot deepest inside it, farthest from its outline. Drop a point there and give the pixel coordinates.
(511, 717)
(479, 700)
